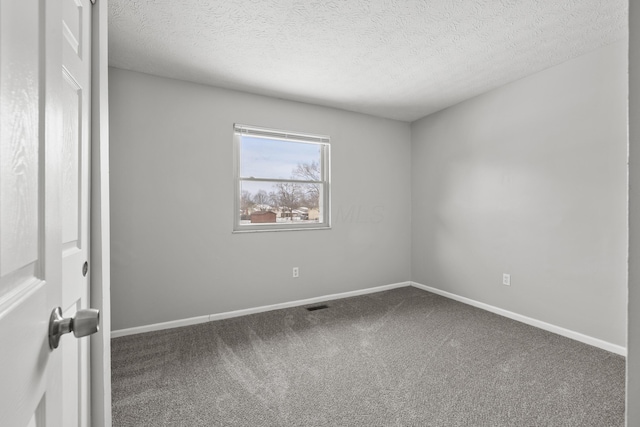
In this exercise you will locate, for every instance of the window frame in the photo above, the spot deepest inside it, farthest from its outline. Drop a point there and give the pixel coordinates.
(323, 141)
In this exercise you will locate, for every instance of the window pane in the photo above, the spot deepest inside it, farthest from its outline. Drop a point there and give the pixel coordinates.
(279, 202)
(272, 158)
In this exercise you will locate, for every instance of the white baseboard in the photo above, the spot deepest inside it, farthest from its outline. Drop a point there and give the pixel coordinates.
(159, 326)
(614, 348)
(244, 312)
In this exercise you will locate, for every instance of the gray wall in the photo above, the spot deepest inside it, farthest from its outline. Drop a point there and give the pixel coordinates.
(633, 355)
(173, 253)
(531, 179)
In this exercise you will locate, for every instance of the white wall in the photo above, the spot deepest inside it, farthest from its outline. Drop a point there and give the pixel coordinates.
(173, 253)
(531, 179)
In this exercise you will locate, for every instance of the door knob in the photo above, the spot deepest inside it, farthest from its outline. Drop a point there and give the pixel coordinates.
(85, 322)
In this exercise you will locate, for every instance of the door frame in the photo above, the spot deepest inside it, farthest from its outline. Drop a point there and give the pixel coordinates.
(100, 260)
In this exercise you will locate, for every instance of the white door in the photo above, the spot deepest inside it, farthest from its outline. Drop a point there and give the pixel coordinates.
(42, 178)
(76, 89)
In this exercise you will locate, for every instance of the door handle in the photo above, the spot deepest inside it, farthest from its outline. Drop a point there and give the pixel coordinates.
(85, 322)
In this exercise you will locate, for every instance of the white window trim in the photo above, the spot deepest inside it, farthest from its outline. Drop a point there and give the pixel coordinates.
(325, 167)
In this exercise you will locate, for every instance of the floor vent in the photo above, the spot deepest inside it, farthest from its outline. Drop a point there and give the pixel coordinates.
(317, 307)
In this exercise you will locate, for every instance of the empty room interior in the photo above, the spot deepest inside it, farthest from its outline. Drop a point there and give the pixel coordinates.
(353, 213)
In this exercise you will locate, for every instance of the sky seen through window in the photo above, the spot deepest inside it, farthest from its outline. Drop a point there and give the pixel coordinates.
(272, 158)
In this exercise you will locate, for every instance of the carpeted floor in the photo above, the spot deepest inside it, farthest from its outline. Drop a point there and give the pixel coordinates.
(403, 357)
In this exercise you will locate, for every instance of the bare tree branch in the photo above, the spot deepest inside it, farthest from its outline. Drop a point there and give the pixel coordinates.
(246, 202)
(289, 196)
(261, 200)
(309, 172)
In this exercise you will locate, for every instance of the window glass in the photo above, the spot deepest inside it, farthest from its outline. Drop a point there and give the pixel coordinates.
(282, 180)
(272, 158)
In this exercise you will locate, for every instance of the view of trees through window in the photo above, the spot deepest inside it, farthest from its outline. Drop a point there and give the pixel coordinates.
(290, 201)
(280, 181)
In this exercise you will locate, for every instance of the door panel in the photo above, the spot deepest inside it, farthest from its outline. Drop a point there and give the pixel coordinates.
(76, 72)
(44, 216)
(75, 154)
(25, 366)
(72, 99)
(72, 24)
(19, 127)
(28, 281)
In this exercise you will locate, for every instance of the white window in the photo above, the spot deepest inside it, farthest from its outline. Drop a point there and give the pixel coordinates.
(281, 180)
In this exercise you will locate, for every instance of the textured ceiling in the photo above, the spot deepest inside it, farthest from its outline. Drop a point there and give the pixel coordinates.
(399, 59)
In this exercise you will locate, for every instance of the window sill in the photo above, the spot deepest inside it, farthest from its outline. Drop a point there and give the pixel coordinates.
(270, 230)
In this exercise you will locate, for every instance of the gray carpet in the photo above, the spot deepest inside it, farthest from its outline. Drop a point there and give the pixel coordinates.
(403, 357)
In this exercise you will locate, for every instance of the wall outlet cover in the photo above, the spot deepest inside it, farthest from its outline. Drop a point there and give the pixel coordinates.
(506, 279)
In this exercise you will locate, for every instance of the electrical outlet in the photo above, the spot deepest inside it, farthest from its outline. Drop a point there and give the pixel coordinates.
(296, 272)
(506, 279)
